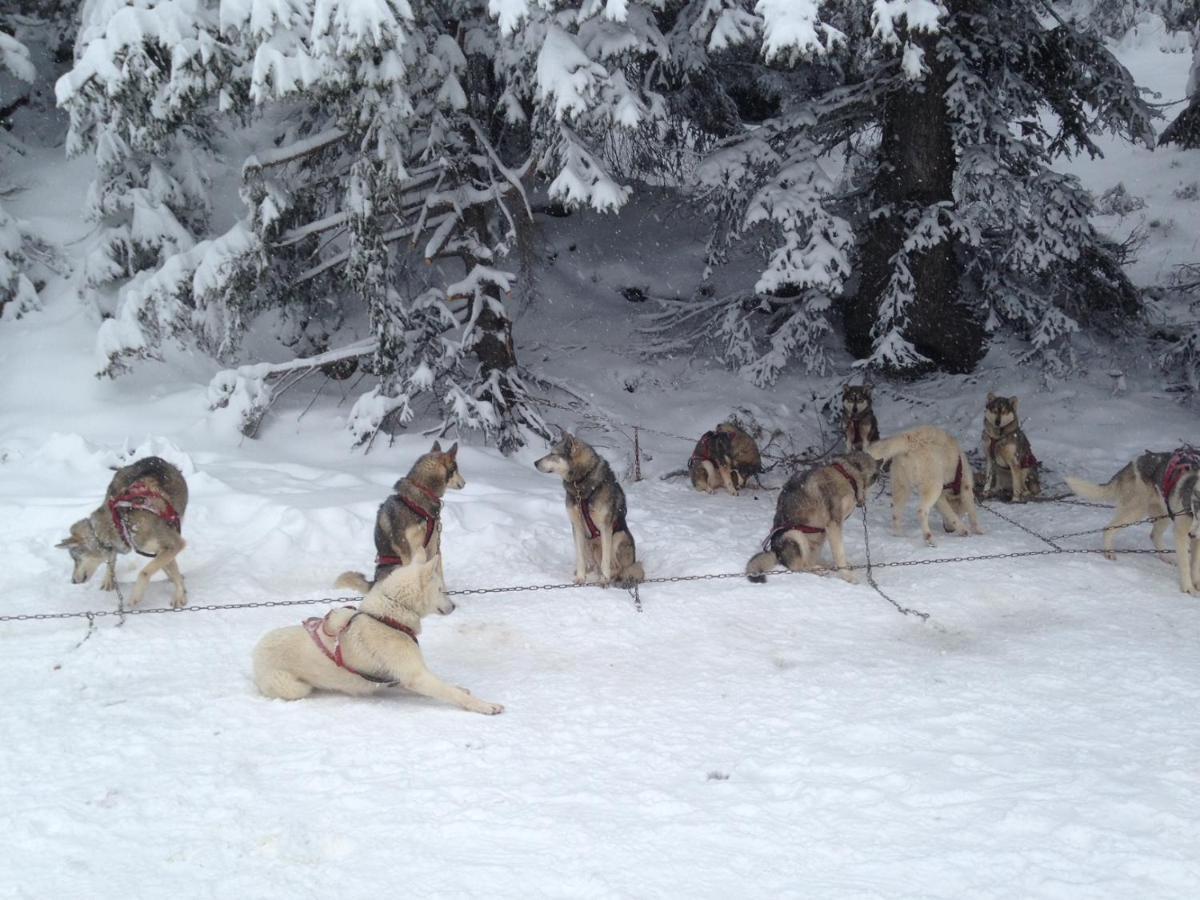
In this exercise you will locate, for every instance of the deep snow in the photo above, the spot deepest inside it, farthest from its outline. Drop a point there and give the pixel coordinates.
(1037, 737)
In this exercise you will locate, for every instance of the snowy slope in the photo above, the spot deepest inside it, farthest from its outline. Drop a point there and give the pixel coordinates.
(1035, 738)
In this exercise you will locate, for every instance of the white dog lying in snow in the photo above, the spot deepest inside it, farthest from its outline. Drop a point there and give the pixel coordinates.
(366, 650)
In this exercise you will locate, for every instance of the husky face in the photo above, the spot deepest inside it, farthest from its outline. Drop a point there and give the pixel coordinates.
(85, 552)
(1000, 412)
(856, 399)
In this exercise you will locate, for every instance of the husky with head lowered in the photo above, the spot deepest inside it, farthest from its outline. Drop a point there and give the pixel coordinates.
(409, 522)
(858, 416)
(812, 507)
(1011, 464)
(596, 508)
(725, 457)
(1160, 486)
(142, 511)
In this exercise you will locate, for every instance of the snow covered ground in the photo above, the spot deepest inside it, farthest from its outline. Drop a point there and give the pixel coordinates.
(1036, 737)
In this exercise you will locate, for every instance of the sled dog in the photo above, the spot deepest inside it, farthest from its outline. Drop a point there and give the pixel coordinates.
(1010, 463)
(1155, 484)
(811, 507)
(930, 462)
(411, 518)
(142, 511)
(725, 457)
(596, 508)
(363, 651)
(858, 416)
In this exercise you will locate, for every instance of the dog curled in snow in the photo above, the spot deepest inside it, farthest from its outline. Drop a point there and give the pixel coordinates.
(596, 508)
(930, 462)
(1010, 463)
(858, 416)
(812, 507)
(142, 512)
(724, 457)
(1165, 487)
(363, 651)
(410, 520)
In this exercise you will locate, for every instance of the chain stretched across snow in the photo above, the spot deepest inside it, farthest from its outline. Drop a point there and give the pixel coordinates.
(122, 611)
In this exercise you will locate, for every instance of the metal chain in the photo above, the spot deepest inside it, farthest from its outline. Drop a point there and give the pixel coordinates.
(905, 610)
(1025, 528)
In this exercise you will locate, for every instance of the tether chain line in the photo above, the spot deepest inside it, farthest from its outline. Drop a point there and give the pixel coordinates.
(1025, 528)
(923, 616)
(528, 588)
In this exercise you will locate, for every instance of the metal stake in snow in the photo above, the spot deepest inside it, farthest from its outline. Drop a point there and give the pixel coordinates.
(637, 456)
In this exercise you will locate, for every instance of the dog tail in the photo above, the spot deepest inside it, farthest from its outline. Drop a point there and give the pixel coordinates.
(353, 581)
(888, 447)
(631, 575)
(760, 564)
(1090, 491)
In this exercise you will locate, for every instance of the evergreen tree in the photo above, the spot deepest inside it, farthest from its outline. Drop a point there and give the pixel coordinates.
(17, 294)
(948, 207)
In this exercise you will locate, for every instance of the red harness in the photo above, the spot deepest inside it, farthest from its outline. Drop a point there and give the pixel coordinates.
(955, 487)
(431, 521)
(1182, 461)
(315, 627)
(140, 495)
(593, 531)
(702, 453)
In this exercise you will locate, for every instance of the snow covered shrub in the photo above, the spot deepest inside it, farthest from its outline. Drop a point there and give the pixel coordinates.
(1117, 201)
(17, 294)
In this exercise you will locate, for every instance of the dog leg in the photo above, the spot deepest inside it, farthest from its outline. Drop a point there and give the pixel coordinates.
(162, 559)
(1183, 545)
(834, 532)
(1018, 483)
(953, 522)
(727, 476)
(606, 555)
(1156, 535)
(1123, 518)
(989, 480)
(928, 496)
(581, 549)
(427, 684)
(172, 570)
(110, 574)
(899, 501)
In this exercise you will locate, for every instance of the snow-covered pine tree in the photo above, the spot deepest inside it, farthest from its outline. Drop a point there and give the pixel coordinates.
(948, 208)
(17, 294)
(141, 98)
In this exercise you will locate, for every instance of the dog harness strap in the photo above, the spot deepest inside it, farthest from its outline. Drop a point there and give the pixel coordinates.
(315, 626)
(853, 485)
(955, 486)
(790, 526)
(141, 496)
(1184, 460)
(593, 531)
(702, 453)
(437, 501)
(430, 519)
(382, 560)
(392, 623)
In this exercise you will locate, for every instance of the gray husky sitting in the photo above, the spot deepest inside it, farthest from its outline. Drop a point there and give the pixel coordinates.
(410, 520)
(812, 506)
(1164, 485)
(142, 511)
(596, 507)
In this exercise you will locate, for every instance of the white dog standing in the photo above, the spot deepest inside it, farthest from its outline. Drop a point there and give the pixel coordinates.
(364, 651)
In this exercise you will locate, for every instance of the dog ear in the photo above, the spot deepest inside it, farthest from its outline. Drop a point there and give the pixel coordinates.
(436, 448)
(846, 388)
(990, 397)
(868, 388)
(67, 543)
(453, 451)
(1015, 401)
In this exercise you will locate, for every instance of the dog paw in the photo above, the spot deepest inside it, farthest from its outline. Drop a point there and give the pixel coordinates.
(1110, 556)
(179, 602)
(581, 579)
(109, 583)
(757, 579)
(487, 709)
(929, 541)
(848, 577)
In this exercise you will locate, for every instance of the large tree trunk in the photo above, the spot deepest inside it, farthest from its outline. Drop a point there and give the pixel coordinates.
(917, 170)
